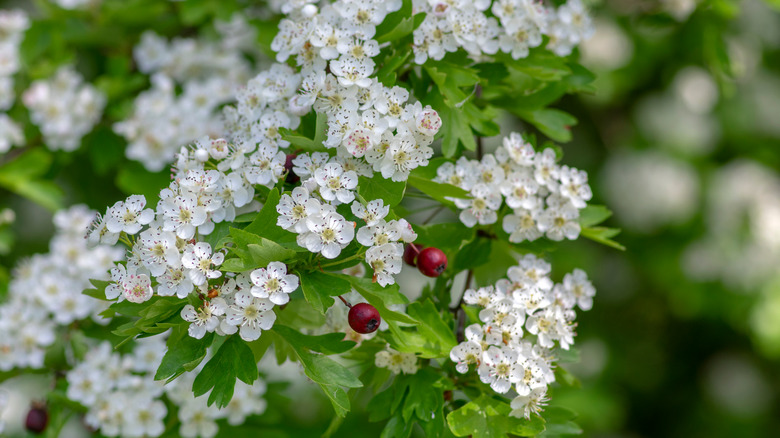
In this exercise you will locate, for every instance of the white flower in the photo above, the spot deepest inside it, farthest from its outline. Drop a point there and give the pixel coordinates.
(520, 152)
(116, 289)
(401, 157)
(129, 216)
(274, 283)
(469, 351)
(329, 234)
(359, 140)
(379, 234)
(521, 226)
(385, 260)
(546, 170)
(396, 362)
(266, 165)
(294, 209)
(336, 184)
(371, 213)
(175, 281)
(520, 189)
(481, 208)
(182, 214)
(147, 418)
(499, 368)
(137, 288)
(407, 232)
(204, 319)
(578, 289)
(532, 376)
(560, 222)
(525, 405)
(198, 259)
(351, 71)
(157, 250)
(251, 314)
(574, 186)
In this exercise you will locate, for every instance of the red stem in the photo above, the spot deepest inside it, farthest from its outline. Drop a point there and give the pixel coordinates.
(345, 301)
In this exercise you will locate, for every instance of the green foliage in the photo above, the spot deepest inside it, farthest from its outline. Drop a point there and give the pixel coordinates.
(391, 192)
(487, 417)
(416, 398)
(319, 288)
(330, 375)
(233, 360)
(25, 174)
(184, 353)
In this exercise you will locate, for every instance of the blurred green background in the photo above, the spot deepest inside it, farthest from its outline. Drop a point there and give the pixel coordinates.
(682, 140)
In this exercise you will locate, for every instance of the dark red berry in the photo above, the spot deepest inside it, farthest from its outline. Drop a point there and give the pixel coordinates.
(410, 253)
(364, 318)
(431, 262)
(292, 178)
(37, 418)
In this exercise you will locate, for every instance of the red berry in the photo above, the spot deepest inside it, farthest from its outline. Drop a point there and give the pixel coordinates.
(37, 418)
(364, 318)
(431, 262)
(292, 178)
(410, 253)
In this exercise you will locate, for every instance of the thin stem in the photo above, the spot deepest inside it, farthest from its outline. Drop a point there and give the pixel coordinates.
(458, 309)
(345, 301)
(478, 94)
(356, 256)
(435, 212)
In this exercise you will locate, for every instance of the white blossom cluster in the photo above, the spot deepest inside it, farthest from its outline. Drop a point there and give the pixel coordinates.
(123, 399)
(396, 361)
(76, 4)
(13, 24)
(46, 291)
(485, 27)
(64, 108)
(167, 258)
(545, 198)
(528, 301)
(740, 246)
(209, 73)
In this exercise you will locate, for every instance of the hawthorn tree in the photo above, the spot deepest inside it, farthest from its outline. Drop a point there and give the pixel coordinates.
(358, 154)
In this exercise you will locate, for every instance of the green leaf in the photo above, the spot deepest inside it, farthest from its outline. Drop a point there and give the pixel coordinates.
(540, 64)
(330, 375)
(319, 288)
(438, 333)
(265, 224)
(472, 255)
(559, 422)
(437, 191)
(448, 236)
(99, 291)
(487, 417)
(553, 123)
(184, 353)
(391, 192)
(593, 215)
(22, 176)
(396, 25)
(297, 140)
(331, 343)
(338, 398)
(266, 252)
(234, 360)
(603, 235)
